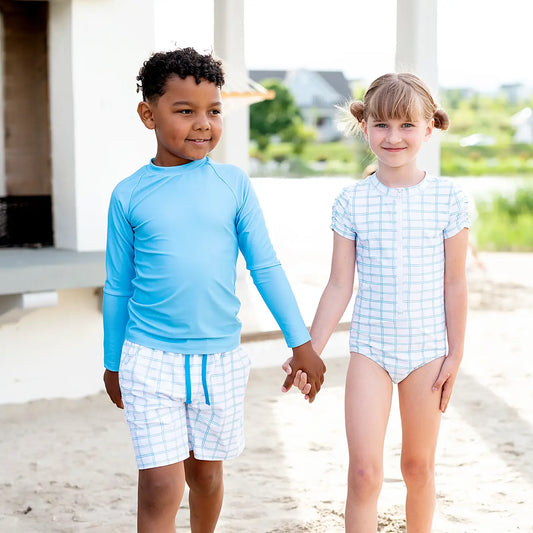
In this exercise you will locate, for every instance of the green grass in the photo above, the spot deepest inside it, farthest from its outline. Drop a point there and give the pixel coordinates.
(506, 224)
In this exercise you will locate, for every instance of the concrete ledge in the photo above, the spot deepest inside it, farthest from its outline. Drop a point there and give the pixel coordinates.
(46, 269)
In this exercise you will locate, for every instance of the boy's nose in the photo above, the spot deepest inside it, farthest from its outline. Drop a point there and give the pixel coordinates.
(202, 123)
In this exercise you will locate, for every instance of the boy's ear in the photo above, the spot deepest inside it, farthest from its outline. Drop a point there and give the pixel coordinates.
(144, 110)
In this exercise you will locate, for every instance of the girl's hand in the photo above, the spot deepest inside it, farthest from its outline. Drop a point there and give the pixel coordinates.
(300, 379)
(446, 380)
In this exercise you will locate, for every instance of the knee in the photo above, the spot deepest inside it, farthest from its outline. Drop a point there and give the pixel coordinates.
(365, 480)
(159, 492)
(206, 477)
(418, 472)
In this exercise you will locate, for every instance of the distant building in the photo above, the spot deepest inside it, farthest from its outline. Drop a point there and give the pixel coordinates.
(316, 94)
(515, 92)
(523, 125)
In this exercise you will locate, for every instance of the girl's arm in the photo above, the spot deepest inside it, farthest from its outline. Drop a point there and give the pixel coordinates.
(332, 305)
(337, 293)
(455, 306)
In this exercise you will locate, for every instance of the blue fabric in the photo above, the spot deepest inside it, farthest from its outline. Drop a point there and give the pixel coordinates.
(174, 234)
(204, 379)
(188, 378)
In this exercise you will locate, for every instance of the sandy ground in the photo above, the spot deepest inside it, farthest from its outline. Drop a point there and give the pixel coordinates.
(67, 465)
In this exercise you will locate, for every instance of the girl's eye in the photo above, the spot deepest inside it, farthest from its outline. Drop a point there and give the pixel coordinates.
(408, 125)
(216, 111)
(381, 125)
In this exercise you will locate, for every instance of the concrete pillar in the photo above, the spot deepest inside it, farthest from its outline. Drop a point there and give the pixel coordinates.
(95, 52)
(229, 45)
(416, 52)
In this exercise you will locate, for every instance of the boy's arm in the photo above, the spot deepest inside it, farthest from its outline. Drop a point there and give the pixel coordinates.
(274, 287)
(455, 305)
(117, 291)
(272, 284)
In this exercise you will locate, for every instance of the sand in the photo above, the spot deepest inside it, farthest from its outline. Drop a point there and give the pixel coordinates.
(68, 466)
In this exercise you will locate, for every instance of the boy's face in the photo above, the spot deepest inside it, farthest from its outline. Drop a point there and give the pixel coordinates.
(187, 120)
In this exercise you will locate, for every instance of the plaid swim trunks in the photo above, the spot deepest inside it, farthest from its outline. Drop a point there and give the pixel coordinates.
(177, 403)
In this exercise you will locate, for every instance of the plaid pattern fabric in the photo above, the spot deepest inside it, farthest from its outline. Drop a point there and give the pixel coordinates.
(398, 318)
(163, 427)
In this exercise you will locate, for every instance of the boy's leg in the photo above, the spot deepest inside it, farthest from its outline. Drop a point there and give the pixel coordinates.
(160, 493)
(367, 407)
(206, 484)
(419, 408)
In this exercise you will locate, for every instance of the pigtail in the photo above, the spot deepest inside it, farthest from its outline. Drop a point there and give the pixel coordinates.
(441, 120)
(349, 118)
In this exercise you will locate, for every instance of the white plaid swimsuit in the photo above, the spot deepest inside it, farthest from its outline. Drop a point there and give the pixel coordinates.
(398, 318)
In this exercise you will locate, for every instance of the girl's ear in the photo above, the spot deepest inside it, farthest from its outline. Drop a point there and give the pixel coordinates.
(429, 129)
(144, 110)
(364, 127)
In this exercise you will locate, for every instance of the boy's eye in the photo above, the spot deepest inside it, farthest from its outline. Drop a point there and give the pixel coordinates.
(407, 125)
(216, 111)
(381, 125)
(184, 111)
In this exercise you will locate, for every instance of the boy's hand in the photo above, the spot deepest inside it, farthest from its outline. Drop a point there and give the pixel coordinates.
(306, 368)
(113, 388)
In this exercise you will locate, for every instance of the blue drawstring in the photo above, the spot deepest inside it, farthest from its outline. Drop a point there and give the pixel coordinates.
(204, 378)
(188, 378)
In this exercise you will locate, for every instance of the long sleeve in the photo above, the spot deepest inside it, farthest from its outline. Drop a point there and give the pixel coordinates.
(266, 270)
(118, 286)
(274, 287)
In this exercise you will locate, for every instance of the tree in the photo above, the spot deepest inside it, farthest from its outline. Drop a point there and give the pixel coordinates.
(278, 117)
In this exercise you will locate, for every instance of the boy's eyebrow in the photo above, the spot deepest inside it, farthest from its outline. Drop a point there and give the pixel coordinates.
(186, 102)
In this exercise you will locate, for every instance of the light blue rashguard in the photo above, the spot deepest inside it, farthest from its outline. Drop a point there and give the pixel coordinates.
(174, 234)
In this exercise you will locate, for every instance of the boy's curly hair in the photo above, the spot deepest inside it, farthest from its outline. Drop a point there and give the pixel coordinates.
(182, 62)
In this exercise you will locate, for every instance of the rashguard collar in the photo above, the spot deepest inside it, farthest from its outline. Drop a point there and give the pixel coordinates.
(179, 169)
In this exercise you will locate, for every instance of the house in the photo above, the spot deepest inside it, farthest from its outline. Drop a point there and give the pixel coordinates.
(316, 94)
(522, 123)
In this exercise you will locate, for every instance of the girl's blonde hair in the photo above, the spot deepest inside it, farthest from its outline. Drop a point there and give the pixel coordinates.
(398, 96)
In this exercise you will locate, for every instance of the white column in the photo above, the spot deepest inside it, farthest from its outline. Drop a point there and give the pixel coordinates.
(229, 45)
(416, 52)
(95, 52)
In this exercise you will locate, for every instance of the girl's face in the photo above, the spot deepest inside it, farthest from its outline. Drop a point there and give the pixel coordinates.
(396, 142)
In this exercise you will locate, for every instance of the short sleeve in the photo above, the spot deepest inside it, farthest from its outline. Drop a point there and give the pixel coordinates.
(342, 221)
(459, 214)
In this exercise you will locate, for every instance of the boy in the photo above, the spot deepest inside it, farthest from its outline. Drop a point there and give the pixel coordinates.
(170, 309)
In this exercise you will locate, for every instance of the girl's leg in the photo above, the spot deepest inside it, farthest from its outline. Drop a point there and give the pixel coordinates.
(206, 484)
(160, 493)
(367, 408)
(419, 408)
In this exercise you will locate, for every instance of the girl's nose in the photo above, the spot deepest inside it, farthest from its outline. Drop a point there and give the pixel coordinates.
(394, 136)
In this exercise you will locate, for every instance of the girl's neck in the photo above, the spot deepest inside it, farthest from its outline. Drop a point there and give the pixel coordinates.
(399, 177)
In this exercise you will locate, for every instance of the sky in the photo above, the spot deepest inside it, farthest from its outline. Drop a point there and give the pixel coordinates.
(481, 43)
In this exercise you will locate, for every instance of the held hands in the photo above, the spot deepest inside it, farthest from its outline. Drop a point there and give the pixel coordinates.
(113, 388)
(305, 371)
(446, 380)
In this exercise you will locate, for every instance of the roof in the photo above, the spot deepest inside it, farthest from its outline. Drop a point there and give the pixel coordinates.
(334, 78)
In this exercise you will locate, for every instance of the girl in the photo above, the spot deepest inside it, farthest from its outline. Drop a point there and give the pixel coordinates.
(406, 231)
